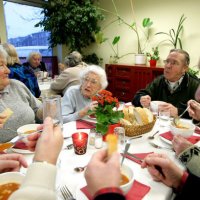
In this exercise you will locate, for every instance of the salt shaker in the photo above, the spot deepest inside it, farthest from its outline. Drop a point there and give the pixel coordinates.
(98, 141)
(92, 137)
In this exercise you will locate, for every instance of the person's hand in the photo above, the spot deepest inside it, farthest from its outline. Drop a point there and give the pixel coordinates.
(162, 169)
(194, 110)
(2, 119)
(100, 174)
(179, 144)
(145, 101)
(49, 144)
(85, 110)
(197, 94)
(33, 138)
(168, 107)
(12, 162)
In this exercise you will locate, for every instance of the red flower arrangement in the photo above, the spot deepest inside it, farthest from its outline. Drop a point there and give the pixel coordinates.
(106, 112)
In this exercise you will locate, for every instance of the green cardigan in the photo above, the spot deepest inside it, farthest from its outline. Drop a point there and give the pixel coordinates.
(158, 90)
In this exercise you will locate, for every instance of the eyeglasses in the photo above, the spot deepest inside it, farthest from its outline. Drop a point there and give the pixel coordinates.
(91, 81)
(171, 62)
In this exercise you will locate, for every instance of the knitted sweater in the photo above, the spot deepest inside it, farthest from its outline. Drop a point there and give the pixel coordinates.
(24, 105)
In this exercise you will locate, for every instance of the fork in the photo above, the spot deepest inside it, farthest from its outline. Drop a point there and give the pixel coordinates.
(67, 195)
(160, 147)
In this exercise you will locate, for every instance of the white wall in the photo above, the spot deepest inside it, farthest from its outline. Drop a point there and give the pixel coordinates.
(164, 14)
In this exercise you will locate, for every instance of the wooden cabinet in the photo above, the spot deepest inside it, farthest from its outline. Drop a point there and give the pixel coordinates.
(125, 80)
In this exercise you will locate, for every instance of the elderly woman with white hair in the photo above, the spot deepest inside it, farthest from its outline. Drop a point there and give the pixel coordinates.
(18, 106)
(77, 100)
(34, 62)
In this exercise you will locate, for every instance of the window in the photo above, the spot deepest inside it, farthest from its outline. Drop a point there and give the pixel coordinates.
(20, 22)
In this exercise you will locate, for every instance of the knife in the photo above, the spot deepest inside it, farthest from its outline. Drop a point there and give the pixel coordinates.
(125, 151)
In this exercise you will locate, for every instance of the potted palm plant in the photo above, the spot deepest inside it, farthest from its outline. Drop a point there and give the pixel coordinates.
(153, 56)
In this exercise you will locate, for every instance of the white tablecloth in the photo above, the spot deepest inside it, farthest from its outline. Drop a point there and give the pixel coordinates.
(68, 160)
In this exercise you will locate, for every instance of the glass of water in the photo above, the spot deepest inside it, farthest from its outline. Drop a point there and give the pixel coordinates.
(120, 132)
(164, 118)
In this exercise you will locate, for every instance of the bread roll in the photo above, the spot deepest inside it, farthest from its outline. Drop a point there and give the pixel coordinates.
(125, 122)
(131, 114)
(150, 114)
(8, 112)
(126, 115)
(141, 116)
(112, 142)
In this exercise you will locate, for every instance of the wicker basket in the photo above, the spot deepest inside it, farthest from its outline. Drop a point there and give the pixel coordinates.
(133, 130)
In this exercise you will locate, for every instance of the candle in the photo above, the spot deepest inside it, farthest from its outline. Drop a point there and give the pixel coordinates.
(80, 142)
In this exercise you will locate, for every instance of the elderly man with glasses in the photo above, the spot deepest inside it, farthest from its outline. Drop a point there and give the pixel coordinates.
(175, 87)
(77, 99)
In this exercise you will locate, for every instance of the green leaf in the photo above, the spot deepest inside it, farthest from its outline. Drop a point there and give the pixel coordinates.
(116, 40)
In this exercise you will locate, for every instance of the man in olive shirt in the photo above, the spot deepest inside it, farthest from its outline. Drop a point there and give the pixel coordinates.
(175, 86)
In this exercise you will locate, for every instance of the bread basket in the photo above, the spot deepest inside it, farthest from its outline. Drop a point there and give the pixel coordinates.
(135, 130)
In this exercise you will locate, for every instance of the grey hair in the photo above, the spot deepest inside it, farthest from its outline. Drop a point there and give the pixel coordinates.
(3, 53)
(96, 70)
(34, 53)
(73, 59)
(185, 53)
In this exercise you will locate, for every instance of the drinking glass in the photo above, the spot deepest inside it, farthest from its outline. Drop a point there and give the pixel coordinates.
(164, 118)
(120, 132)
(52, 108)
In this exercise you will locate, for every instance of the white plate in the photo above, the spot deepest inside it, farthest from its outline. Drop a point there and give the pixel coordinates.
(27, 127)
(165, 140)
(22, 151)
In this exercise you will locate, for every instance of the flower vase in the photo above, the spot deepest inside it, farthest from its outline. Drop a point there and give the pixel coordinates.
(111, 128)
(153, 63)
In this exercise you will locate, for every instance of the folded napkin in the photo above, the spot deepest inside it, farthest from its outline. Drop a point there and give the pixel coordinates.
(20, 145)
(82, 124)
(139, 155)
(137, 191)
(168, 135)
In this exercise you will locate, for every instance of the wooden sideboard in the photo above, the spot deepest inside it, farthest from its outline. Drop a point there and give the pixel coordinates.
(125, 80)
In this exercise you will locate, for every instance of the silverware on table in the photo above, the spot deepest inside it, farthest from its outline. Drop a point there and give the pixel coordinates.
(152, 136)
(160, 147)
(125, 150)
(177, 119)
(67, 195)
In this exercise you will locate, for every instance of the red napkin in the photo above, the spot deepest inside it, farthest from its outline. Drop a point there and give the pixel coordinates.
(168, 135)
(137, 191)
(82, 124)
(139, 155)
(20, 145)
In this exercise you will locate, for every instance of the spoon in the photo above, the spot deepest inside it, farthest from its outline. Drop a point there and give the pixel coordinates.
(152, 136)
(79, 169)
(176, 120)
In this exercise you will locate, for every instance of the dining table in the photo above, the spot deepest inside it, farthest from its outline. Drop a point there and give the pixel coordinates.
(68, 160)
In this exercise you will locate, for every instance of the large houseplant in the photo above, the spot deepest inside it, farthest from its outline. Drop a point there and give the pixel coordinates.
(175, 35)
(71, 22)
(143, 39)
